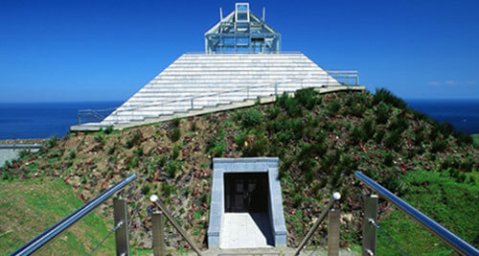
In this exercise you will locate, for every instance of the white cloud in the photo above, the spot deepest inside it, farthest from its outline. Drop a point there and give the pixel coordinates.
(452, 82)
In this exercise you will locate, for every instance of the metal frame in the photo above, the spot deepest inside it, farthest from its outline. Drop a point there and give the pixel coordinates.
(435, 228)
(45, 237)
(231, 35)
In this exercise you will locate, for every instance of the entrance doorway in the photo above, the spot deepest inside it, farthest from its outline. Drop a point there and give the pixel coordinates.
(247, 221)
(246, 192)
(246, 209)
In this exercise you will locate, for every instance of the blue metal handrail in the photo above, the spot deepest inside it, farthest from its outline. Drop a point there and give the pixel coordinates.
(42, 239)
(447, 236)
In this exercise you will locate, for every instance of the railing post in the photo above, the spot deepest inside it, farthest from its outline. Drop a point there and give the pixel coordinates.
(276, 89)
(120, 212)
(156, 201)
(159, 248)
(335, 199)
(247, 92)
(192, 103)
(369, 224)
(333, 230)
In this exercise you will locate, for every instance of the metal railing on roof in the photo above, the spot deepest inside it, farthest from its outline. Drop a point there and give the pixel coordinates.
(432, 226)
(49, 234)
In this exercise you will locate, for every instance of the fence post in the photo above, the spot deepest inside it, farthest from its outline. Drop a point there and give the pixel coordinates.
(120, 212)
(333, 231)
(369, 224)
(159, 248)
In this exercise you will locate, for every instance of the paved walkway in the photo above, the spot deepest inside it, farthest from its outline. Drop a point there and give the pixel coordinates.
(246, 230)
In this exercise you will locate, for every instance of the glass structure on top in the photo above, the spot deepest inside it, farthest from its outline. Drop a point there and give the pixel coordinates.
(242, 32)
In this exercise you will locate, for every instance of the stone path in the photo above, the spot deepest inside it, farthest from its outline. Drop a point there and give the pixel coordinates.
(246, 230)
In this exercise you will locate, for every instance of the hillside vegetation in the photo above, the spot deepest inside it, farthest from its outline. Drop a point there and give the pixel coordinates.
(320, 140)
(28, 207)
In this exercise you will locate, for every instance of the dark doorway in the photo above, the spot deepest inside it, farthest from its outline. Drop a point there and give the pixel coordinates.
(246, 192)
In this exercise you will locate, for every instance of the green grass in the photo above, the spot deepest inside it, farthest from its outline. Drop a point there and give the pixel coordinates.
(475, 138)
(28, 207)
(450, 203)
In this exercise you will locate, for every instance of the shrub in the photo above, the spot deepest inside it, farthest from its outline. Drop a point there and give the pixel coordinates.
(399, 123)
(382, 113)
(281, 100)
(384, 95)
(133, 163)
(258, 145)
(307, 98)
(358, 135)
(216, 145)
(333, 107)
(138, 152)
(167, 189)
(172, 168)
(71, 154)
(100, 137)
(175, 134)
(464, 139)
(392, 139)
(369, 127)
(388, 159)
(293, 108)
(193, 126)
(52, 142)
(175, 122)
(108, 129)
(175, 152)
(250, 118)
(134, 139)
(218, 149)
(446, 128)
(145, 190)
(438, 146)
(240, 138)
(273, 112)
(24, 153)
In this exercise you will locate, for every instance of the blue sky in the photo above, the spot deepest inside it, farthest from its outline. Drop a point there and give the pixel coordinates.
(107, 50)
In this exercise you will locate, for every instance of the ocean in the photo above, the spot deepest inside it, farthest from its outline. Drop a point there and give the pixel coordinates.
(43, 120)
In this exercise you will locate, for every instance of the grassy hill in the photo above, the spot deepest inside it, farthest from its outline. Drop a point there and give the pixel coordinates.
(320, 139)
(30, 206)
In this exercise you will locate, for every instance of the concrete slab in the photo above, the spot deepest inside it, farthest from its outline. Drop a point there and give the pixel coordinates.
(246, 230)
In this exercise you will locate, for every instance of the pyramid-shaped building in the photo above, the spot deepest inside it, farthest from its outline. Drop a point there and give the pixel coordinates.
(242, 63)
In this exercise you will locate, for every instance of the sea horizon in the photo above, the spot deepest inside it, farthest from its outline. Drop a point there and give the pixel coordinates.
(40, 120)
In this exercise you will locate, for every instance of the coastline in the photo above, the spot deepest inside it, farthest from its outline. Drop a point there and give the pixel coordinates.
(22, 141)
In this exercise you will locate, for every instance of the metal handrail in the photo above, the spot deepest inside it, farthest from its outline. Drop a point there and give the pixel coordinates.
(437, 229)
(45, 237)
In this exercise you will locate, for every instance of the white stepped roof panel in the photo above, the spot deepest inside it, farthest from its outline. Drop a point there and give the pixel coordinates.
(200, 75)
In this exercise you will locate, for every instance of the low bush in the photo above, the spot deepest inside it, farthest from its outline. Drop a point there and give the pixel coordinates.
(382, 113)
(385, 96)
(134, 139)
(52, 142)
(250, 118)
(333, 107)
(307, 98)
(175, 134)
